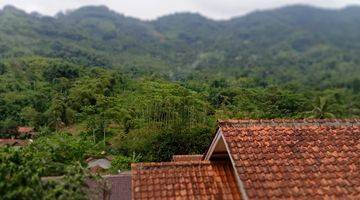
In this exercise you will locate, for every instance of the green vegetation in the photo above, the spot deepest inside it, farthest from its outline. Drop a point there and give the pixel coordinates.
(21, 170)
(94, 83)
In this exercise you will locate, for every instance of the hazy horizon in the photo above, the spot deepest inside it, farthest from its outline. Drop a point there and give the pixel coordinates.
(153, 9)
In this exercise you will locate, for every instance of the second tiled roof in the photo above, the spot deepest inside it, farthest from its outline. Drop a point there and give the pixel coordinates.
(184, 180)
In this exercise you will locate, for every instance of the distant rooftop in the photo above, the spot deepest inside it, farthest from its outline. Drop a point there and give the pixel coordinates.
(25, 129)
(13, 142)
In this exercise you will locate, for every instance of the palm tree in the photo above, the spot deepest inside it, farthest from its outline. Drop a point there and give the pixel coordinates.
(321, 109)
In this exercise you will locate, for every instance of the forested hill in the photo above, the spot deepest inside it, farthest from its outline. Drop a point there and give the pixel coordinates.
(307, 45)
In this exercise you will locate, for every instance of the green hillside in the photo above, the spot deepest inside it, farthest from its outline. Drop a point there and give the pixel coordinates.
(293, 44)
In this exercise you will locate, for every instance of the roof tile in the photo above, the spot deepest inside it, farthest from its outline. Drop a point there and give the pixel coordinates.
(184, 180)
(302, 159)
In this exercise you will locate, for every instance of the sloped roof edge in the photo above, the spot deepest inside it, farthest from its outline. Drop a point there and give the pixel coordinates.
(212, 145)
(218, 137)
(286, 122)
(238, 180)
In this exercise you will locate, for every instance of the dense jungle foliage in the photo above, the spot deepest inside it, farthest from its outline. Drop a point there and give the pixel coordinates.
(93, 82)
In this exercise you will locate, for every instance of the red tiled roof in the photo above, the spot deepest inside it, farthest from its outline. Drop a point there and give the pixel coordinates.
(184, 180)
(25, 129)
(186, 158)
(296, 159)
(12, 142)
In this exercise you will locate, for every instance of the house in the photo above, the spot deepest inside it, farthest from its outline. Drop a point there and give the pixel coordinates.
(98, 164)
(262, 159)
(13, 142)
(25, 131)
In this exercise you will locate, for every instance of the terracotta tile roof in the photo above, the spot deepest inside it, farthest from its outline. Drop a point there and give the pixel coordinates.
(186, 158)
(184, 180)
(296, 159)
(25, 129)
(13, 142)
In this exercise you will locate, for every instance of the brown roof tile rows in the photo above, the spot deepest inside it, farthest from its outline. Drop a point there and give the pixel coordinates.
(13, 142)
(25, 129)
(284, 159)
(184, 180)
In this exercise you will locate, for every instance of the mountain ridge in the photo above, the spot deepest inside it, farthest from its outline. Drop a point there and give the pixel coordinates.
(263, 45)
(352, 8)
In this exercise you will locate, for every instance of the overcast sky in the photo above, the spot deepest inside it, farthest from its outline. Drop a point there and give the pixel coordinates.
(150, 9)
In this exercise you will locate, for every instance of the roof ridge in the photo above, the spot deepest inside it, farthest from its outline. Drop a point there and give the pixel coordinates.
(188, 155)
(287, 122)
(127, 174)
(164, 164)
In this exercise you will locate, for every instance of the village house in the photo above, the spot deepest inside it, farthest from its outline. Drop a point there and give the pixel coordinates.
(97, 165)
(25, 132)
(12, 142)
(262, 159)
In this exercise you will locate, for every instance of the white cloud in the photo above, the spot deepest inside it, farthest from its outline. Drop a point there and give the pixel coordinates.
(150, 9)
